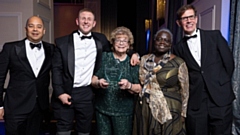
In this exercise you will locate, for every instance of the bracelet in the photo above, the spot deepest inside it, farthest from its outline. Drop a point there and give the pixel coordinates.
(130, 87)
(138, 56)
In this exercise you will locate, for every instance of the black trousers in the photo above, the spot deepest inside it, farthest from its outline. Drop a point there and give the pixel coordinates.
(24, 124)
(81, 110)
(210, 119)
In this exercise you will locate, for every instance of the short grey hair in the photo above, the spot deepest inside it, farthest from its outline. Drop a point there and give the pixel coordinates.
(165, 30)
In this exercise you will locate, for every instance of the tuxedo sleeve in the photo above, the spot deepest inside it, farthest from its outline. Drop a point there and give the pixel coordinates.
(225, 53)
(175, 49)
(57, 72)
(4, 62)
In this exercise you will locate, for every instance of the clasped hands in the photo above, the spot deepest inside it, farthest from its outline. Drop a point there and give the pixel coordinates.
(123, 84)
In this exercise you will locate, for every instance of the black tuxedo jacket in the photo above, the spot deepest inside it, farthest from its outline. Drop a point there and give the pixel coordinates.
(24, 89)
(216, 69)
(63, 63)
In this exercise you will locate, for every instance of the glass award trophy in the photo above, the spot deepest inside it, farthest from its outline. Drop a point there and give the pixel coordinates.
(113, 73)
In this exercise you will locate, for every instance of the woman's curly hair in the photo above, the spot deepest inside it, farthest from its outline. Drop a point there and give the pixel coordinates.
(122, 31)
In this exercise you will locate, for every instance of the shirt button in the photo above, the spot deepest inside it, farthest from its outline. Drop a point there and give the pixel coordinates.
(202, 72)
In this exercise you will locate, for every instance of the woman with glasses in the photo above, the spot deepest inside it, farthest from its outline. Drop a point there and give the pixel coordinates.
(162, 103)
(117, 81)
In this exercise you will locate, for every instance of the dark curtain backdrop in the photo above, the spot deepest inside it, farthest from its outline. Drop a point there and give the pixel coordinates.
(173, 6)
(154, 27)
(235, 46)
(108, 16)
(132, 14)
(143, 8)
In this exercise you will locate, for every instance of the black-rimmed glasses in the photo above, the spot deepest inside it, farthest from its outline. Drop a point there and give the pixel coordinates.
(191, 17)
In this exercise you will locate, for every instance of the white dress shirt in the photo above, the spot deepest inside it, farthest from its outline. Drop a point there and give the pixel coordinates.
(35, 57)
(194, 45)
(85, 56)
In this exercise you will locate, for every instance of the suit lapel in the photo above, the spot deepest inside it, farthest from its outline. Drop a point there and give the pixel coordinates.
(189, 56)
(71, 57)
(203, 47)
(47, 60)
(99, 52)
(22, 55)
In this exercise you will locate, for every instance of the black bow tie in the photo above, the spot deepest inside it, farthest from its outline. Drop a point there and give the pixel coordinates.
(188, 37)
(88, 37)
(35, 45)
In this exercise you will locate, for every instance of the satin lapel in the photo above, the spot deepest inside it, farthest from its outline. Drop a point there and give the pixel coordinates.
(71, 57)
(22, 55)
(47, 60)
(189, 56)
(99, 53)
(204, 49)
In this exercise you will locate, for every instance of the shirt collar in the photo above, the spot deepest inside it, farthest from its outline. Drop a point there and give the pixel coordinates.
(81, 34)
(195, 32)
(28, 41)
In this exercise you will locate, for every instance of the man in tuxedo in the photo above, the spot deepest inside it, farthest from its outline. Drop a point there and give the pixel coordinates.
(76, 57)
(210, 66)
(27, 95)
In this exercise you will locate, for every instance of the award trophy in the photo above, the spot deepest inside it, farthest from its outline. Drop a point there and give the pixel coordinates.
(113, 73)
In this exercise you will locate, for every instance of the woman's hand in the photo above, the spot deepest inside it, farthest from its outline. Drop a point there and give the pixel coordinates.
(103, 83)
(99, 83)
(95, 82)
(124, 84)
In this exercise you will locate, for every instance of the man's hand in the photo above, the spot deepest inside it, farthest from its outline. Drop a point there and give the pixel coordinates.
(135, 59)
(1, 113)
(65, 98)
(183, 119)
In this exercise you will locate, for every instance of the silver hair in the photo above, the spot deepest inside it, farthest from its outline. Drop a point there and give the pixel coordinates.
(165, 30)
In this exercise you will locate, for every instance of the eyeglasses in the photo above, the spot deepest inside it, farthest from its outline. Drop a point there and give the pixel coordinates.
(163, 40)
(121, 41)
(191, 17)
